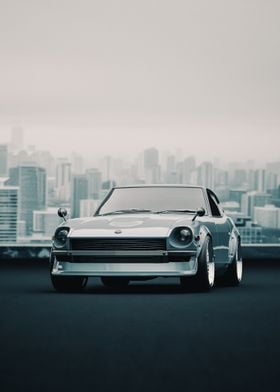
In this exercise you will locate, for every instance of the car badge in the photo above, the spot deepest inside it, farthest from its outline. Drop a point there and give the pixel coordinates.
(118, 231)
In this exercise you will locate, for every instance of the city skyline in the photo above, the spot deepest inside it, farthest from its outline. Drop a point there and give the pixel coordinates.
(34, 183)
(93, 148)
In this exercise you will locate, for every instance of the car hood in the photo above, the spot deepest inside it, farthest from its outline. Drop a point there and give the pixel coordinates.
(126, 225)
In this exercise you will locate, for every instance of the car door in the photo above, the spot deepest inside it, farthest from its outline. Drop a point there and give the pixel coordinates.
(222, 228)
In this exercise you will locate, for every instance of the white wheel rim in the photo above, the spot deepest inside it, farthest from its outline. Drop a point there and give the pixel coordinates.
(210, 269)
(239, 269)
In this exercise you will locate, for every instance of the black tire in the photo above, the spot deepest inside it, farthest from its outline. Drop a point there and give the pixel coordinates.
(67, 284)
(233, 275)
(118, 282)
(205, 276)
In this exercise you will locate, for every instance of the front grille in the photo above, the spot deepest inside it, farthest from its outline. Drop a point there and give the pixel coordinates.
(118, 260)
(115, 244)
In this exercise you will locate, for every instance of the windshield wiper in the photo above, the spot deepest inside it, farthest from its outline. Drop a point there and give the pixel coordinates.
(127, 211)
(175, 211)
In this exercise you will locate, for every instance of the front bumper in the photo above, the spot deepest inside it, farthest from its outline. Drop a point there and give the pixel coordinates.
(152, 263)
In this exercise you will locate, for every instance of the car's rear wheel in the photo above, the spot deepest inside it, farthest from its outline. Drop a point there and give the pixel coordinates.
(234, 272)
(118, 282)
(205, 277)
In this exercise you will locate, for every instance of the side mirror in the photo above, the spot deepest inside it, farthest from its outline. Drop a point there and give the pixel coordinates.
(62, 213)
(200, 212)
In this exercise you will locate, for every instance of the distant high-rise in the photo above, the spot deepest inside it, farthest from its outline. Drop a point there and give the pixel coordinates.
(45, 221)
(79, 192)
(267, 216)
(239, 178)
(260, 180)
(185, 169)
(253, 199)
(31, 181)
(63, 180)
(171, 176)
(77, 162)
(206, 175)
(151, 158)
(152, 168)
(9, 198)
(3, 160)
(17, 139)
(94, 178)
(88, 207)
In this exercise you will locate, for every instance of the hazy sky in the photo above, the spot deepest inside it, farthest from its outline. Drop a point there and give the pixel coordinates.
(121, 75)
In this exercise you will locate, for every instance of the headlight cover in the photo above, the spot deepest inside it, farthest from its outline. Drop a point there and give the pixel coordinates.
(60, 237)
(181, 237)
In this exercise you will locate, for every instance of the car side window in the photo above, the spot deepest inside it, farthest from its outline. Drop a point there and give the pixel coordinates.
(215, 210)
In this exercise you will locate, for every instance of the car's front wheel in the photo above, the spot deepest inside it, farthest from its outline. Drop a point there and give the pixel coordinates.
(118, 282)
(65, 284)
(205, 276)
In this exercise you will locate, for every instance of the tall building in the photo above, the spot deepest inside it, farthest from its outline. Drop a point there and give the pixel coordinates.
(77, 162)
(17, 139)
(63, 180)
(253, 199)
(236, 195)
(206, 175)
(271, 182)
(239, 178)
(79, 192)
(260, 180)
(88, 207)
(185, 169)
(46, 221)
(9, 199)
(267, 216)
(151, 158)
(152, 169)
(31, 181)
(94, 178)
(3, 160)
(171, 175)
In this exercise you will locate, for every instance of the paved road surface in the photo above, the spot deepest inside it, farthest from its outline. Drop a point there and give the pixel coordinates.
(149, 338)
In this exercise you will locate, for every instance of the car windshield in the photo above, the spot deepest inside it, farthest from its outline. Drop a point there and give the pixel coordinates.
(153, 199)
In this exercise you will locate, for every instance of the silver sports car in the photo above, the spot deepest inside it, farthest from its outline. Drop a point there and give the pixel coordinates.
(148, 231)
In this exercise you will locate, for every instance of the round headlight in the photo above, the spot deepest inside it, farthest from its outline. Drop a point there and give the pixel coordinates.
(185, 234)
(60, 238)
(181, 237)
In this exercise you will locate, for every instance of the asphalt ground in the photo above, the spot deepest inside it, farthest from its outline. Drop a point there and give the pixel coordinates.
(150, 337)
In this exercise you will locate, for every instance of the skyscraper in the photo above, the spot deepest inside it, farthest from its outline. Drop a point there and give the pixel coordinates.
(8, 213)
(31, 181)
(253, 199)
(185, 169)
(151, 158)
(152, 168)
(267, 216)
(260, 180)
(3, 160)
(94, 178)
(46, 221)
(79, 192)
(63, 180)
(206, 175)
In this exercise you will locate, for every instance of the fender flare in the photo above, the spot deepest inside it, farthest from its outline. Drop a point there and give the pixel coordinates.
(204, 232)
